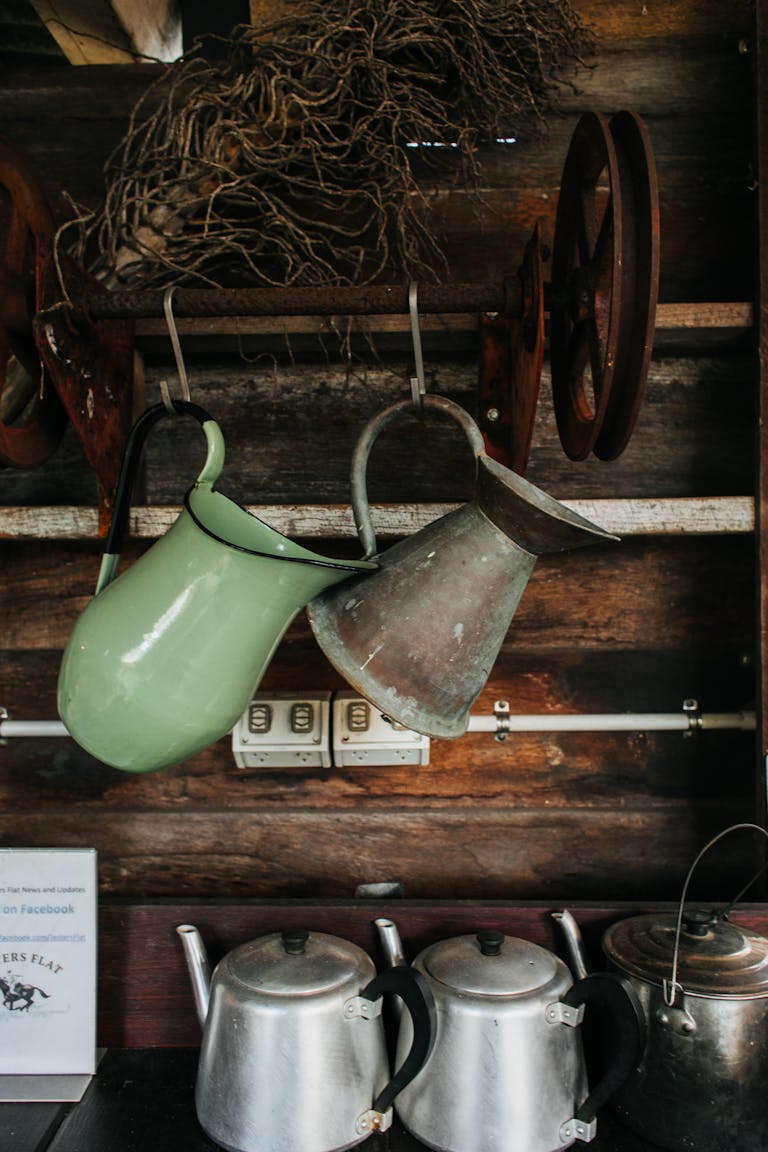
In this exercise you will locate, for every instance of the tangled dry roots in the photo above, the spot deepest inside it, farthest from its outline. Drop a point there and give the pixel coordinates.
(292, 160)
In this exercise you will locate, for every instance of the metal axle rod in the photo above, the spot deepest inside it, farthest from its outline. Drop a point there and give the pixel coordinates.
(344, 300)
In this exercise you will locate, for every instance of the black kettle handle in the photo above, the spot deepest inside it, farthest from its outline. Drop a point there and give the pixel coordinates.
(414, 991)
(612, 994)
(136, 439)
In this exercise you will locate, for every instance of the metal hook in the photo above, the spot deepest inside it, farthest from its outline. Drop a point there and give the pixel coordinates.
(418, 389)
(180, 365)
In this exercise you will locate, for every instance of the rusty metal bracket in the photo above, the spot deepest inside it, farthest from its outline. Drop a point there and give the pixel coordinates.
(91, 365)
(511, 356)
(32, 420)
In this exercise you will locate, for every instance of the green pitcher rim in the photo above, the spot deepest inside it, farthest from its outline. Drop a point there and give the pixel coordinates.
(310, 558)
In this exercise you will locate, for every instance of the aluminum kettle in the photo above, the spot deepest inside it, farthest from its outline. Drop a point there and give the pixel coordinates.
(507, 1069)
(293, 1053)
(418, 638)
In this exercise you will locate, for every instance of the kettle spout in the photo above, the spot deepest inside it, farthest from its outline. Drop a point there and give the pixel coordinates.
(391, 943)
(199, 968)
(573, 943)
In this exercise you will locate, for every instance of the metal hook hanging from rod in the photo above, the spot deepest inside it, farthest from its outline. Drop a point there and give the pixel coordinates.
(418, 387)
(181, 367)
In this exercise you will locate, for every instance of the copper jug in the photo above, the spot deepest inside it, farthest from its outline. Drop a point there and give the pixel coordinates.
(418, 637)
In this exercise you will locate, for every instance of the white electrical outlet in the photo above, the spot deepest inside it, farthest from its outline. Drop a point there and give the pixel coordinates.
(284, 730)
(361, 735)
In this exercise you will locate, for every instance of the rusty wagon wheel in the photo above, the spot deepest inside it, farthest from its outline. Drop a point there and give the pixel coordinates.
(32, 419)
(605, 272)
(640, 282)
(585, 310)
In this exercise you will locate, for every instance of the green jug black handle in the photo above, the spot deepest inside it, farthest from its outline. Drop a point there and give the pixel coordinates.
(359, 495)
(136, 440)
(414, 991)
(122, 503)
(612, 994)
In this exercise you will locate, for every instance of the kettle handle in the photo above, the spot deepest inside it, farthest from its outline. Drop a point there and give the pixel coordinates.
(414, 991)
(359, 495)
(214, 462)
(671, 986)
(614, 995)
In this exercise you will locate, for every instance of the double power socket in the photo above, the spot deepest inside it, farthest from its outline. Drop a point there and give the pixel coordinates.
(320, 730)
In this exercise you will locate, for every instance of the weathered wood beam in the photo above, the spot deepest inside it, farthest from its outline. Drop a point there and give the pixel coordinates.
(113, 31)
(683, 317)
(688, 516)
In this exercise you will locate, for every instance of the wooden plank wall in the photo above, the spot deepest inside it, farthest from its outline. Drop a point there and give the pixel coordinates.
(638, 626)
(145, 995)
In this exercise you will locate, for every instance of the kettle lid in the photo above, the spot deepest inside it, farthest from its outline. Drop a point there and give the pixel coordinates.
(716, 957)
(298, 962)
(491, 964)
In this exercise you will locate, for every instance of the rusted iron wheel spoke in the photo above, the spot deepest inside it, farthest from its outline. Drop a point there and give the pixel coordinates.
(586, 281)
(589, 227)
(603, 257)
(31, 424)
(584, 356)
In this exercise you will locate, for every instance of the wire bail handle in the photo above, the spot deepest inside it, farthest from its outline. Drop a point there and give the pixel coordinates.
(178, 355)
(671, 987)
(418, 388)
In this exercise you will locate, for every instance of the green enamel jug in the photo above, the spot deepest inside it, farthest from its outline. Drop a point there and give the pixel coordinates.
(167, 655)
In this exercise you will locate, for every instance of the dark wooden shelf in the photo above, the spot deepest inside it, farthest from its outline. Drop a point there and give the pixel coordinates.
(144, 1098)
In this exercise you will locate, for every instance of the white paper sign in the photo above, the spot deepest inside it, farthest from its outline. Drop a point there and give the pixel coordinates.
(48, 901)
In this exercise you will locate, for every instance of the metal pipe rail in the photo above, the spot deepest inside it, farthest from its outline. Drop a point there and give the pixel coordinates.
(613, 722)
(501, 722)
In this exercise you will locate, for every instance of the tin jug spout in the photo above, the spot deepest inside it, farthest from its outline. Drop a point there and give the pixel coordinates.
(391, 944)
(198, 967)
(419, 637)
(574, 943)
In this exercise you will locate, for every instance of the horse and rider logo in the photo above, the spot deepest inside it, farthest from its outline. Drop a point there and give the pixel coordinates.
(18, 996)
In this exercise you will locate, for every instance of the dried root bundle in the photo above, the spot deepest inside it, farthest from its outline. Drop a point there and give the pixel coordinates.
(293, 160)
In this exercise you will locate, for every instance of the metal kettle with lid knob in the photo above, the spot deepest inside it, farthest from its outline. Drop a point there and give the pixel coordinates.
(701, 1083)
(507, 1069)
(293, 1053)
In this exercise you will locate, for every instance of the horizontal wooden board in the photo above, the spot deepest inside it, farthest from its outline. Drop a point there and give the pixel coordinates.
(626, 19)
(291, 429)
(496, 852)
(145, 995)
(528, 769)
(702, 516)
(685, 593)
(711, 315)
